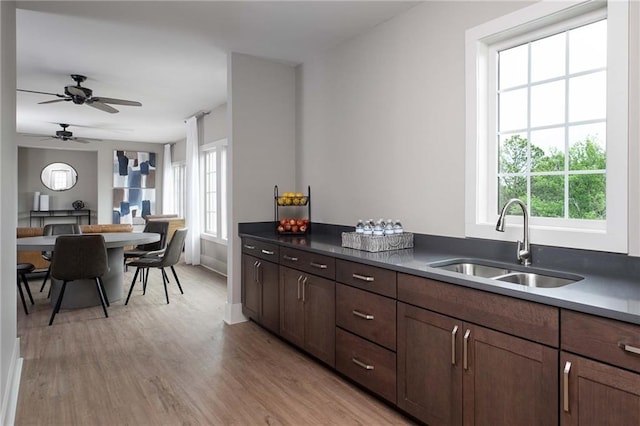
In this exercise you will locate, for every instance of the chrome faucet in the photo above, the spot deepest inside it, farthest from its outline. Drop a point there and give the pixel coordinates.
(524, 251)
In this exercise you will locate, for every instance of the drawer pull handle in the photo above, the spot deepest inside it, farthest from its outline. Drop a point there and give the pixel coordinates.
(359, 363)
(247, 246)
(362, 277)
(318, 265)
(565, 387)
(363, 316)
(465, 350)
(629, 348)
(269, 252)
(454, 332)
(291, 258)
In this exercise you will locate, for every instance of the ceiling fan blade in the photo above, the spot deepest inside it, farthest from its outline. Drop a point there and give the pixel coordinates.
(42, 93)
(102, 107)
(33, 135)
(54, 101)
(114, 101)
(81, 140)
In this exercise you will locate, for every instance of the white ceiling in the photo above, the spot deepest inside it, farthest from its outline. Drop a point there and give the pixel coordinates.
(169, 55)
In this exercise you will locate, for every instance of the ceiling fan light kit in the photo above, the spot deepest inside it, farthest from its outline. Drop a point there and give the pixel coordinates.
(81, 95)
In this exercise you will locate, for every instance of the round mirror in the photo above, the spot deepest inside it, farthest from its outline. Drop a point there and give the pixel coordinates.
(59, 176)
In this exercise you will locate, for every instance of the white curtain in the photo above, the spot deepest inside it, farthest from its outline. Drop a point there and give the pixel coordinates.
(168, 206)
(192, 194)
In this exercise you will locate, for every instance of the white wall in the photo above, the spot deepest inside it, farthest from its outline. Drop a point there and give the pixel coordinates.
(214, 126)
(10, 361)
(104, 170)
(381, 120)
(261, 107)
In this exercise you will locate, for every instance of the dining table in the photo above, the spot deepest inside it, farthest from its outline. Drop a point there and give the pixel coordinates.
(83, 292)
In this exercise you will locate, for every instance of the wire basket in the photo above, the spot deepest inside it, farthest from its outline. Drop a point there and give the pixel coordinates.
(376, 243)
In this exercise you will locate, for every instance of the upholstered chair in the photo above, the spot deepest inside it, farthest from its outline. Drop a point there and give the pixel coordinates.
(80, 257)
(168, 259)
(56, 229)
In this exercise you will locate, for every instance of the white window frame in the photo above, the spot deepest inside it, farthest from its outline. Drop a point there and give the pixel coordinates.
(221, 180)
(179, 188)
(481, 42)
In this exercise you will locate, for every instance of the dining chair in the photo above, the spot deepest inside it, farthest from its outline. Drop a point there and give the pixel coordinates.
(168, 259)
(157, 227)
(78, 257)
(22, 270)
(56, 229)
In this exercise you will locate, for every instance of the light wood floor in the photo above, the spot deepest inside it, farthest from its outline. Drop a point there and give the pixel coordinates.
(151, 363)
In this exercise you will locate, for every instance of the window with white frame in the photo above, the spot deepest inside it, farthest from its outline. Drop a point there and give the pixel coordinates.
(547, 123)
(179, 188)
(214, 169)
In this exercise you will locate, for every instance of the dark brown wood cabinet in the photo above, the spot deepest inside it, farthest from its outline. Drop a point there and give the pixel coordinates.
(444, 353)
(261, 301)
(260, 283)
(429, 365)
(366, 326)
(507, 380)
(595, 394)
(605, 387)
(481, 376)
(485, 352)
(307, 312)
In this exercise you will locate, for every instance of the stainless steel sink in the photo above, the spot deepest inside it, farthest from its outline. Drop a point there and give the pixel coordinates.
(475, 269)
(479, 268)
(534, 280)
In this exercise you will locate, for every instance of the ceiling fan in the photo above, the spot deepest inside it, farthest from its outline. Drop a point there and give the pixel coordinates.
(83, 95)
(66, 135)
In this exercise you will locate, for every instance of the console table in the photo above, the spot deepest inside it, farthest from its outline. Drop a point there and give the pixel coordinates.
(43, 214)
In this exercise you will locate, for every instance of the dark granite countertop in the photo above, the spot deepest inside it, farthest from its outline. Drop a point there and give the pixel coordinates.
(610, 288)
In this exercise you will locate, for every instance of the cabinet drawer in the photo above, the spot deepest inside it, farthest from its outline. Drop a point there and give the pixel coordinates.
(366, 314)
(366, 277)
(367, 363)
(260, 249)
(522, 318)
(306, 261)
(602, 339)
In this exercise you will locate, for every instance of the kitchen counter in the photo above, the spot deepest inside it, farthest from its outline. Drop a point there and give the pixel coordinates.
(610, 288)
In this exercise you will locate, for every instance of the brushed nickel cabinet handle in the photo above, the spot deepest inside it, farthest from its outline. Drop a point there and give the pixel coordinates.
(258, 272)
(362, 277)
(247, 246)
(304, 284)
(359, 363)
(291, 258)
(454, 332)
(565, 387)
(299, 279)
(465, 350)
(629, 348)
(269, 252)
(361, 315)
(318, 265)
(255, 272)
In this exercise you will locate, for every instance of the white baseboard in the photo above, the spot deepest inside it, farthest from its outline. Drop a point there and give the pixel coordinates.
(233, 313)
(214, 264)
(10, 400)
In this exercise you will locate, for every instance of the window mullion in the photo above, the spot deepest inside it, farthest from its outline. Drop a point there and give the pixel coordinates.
(566, 127)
